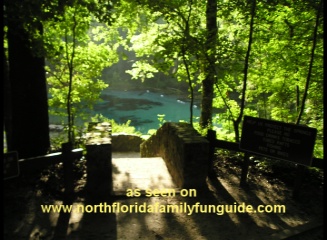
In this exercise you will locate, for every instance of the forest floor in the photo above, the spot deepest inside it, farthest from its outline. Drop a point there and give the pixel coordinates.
(268, 184)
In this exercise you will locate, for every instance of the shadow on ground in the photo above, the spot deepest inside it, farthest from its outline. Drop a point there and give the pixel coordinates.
(24, 219)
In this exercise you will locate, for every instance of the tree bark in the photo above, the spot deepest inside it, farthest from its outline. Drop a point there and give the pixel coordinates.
(307, 84)
(28, 96)
(208, 82)
(245, 72)
(6, 100)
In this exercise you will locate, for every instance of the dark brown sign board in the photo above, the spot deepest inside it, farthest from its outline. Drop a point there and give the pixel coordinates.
(10, 165)
(284, 141)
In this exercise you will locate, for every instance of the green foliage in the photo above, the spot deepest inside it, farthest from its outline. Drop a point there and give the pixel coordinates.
(159, 43)
(52, 178)
(168, 38)
(77, 50)
(152, 131)
(161, 119)
(116, 127)
(278, 64)
(199, 129)
(56, 140)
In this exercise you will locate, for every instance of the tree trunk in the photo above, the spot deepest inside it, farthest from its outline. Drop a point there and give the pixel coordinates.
(314, 42)
(7, 103)
(28, 96)
(208, 82)
(245, 72)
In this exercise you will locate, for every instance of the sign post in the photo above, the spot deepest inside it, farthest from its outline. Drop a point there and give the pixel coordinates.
(279, 140)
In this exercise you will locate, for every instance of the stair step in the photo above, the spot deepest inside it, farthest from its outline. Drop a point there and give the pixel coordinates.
(140, 173)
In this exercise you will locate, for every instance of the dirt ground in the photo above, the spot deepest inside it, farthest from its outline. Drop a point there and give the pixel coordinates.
(23, 218)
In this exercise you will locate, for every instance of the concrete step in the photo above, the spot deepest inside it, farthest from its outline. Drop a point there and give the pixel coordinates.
(140, 173)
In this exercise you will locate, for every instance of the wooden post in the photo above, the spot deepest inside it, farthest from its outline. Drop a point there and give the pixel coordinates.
(245, 170)
(211, 137)
(67, 159)
(298, 181)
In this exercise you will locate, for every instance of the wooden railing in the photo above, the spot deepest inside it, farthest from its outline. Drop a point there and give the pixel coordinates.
(233, 146)
(35, 164)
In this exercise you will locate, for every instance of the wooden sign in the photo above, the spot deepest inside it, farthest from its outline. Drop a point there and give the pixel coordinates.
(10, 165)
(279, 140)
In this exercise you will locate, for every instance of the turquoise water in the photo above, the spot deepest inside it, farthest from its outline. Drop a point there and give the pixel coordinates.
(142, 108)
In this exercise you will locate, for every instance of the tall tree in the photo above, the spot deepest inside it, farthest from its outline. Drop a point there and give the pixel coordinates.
(210, 49)
(179, 35)
(29, 133)
(245, 73)
(28, 129)
(314, 43)
(178, 38)
(6, 93)
(77, 51)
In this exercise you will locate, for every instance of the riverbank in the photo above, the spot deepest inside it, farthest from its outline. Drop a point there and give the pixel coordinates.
(142, 107)
(168, 91)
